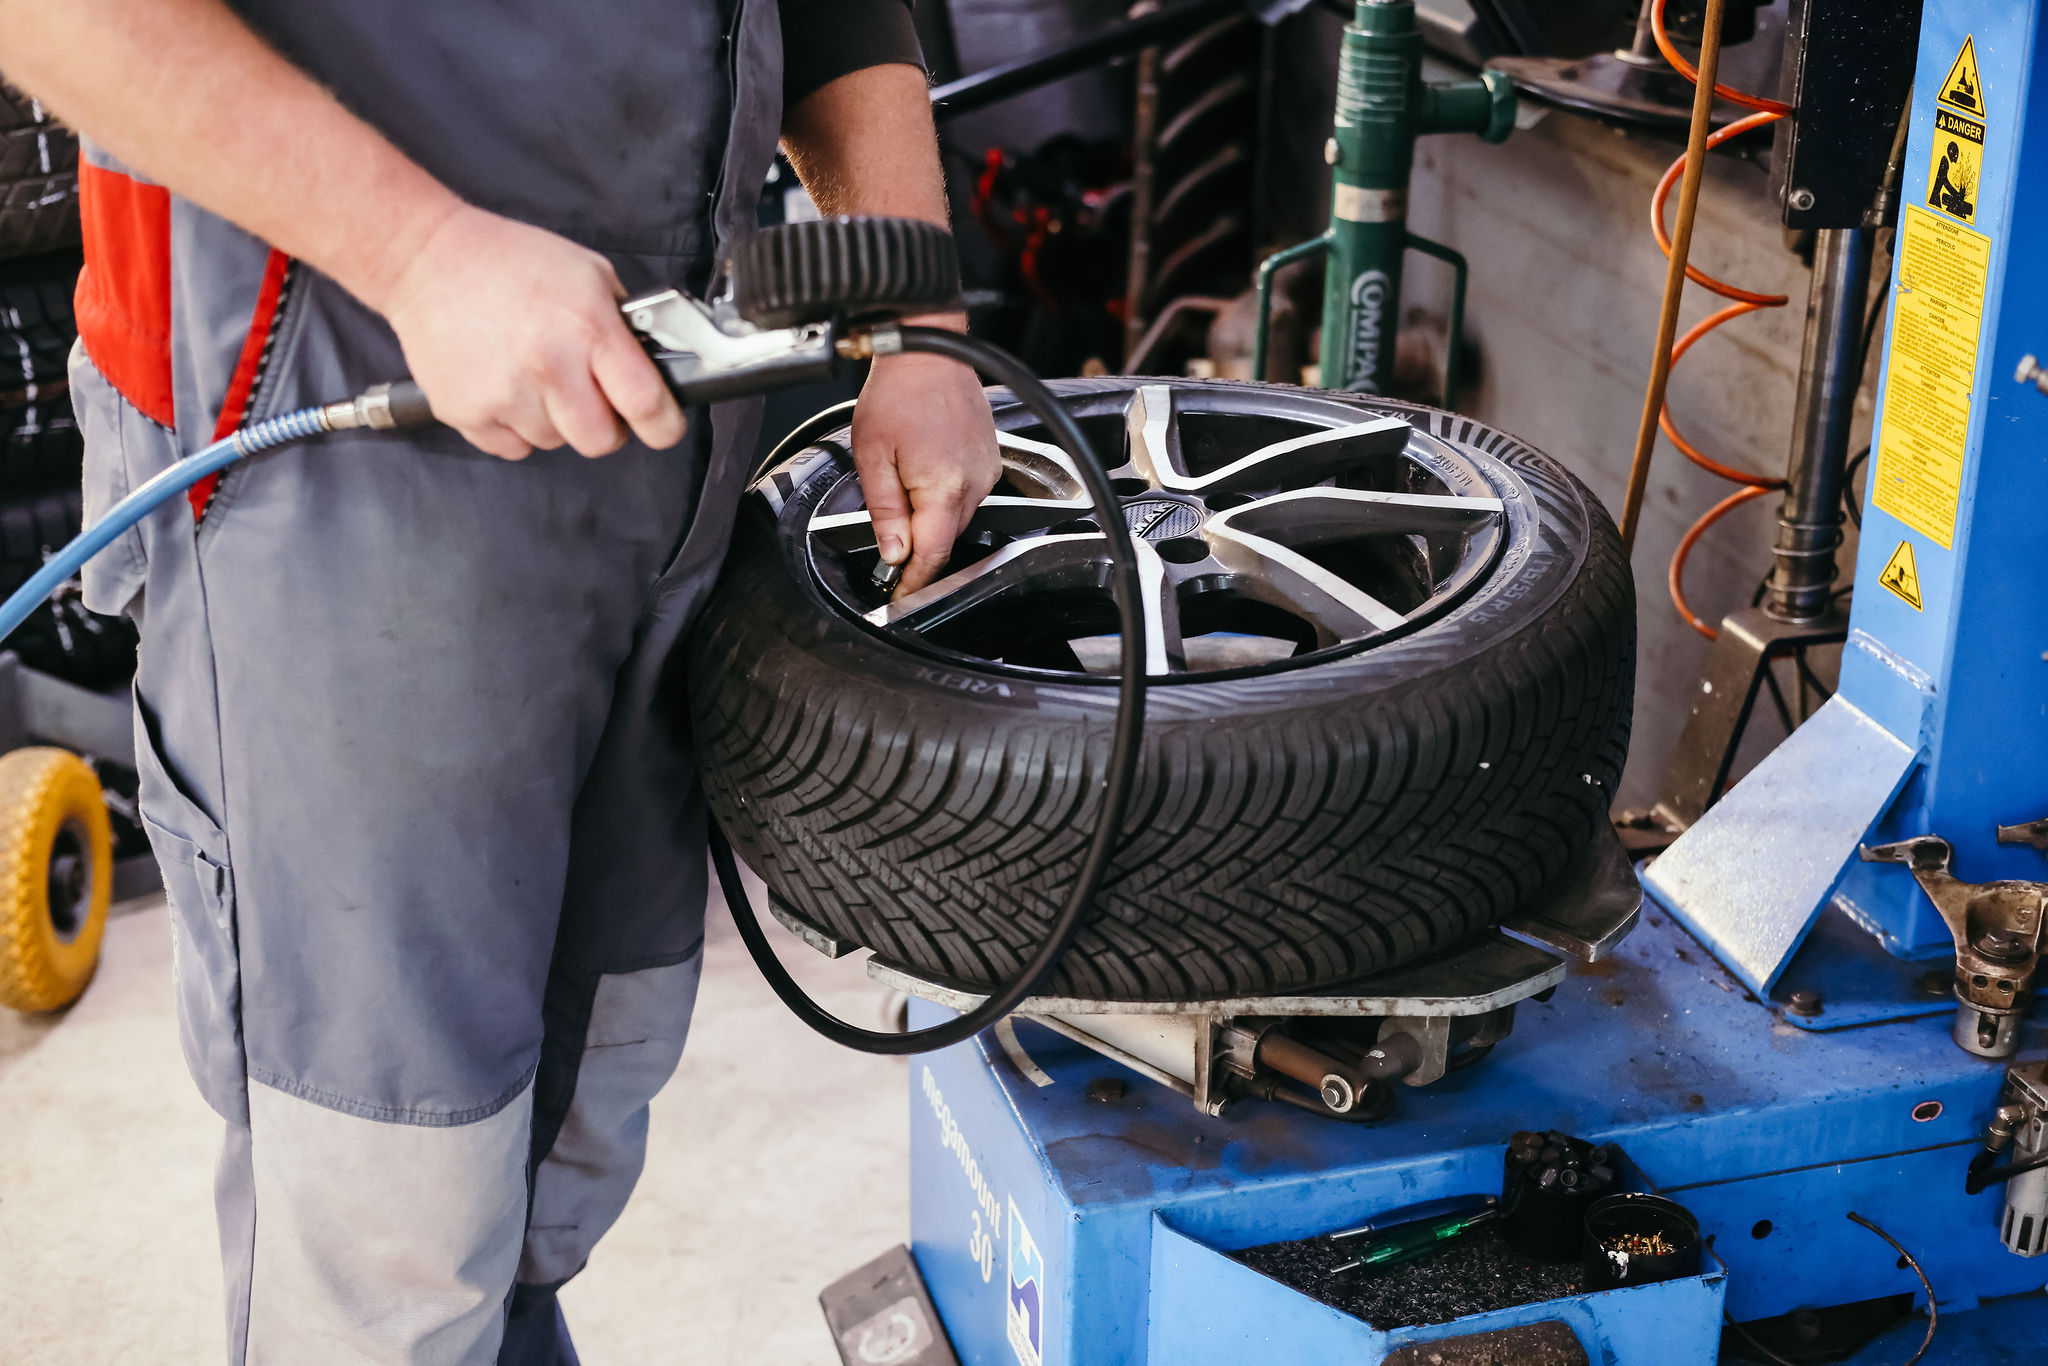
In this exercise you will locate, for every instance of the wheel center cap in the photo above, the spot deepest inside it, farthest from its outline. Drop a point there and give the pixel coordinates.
(1161, 519)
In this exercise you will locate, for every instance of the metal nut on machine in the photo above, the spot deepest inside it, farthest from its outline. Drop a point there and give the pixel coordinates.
(1997, 929)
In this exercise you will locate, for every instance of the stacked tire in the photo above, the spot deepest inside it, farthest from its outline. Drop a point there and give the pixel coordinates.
(58, 837)
(38, 179)
(40, 469)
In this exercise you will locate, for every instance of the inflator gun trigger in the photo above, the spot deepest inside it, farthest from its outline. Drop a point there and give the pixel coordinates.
(708, 352)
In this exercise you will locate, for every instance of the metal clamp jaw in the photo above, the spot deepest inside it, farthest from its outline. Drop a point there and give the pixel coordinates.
(1997, 928)
(708, 352)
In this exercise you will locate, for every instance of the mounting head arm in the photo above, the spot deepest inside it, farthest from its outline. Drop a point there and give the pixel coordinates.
(2033, 832)
(1997, 929)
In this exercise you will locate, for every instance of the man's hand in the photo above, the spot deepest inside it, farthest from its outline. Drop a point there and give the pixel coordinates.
(925, 445)
(516, 337)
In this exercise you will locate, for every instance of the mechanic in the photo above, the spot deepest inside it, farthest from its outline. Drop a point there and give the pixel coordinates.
(411, 761)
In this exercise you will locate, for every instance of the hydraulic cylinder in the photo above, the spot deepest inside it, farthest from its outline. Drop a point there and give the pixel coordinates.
(1383, 105)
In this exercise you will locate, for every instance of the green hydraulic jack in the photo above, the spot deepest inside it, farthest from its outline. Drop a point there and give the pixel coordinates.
(1383, 105)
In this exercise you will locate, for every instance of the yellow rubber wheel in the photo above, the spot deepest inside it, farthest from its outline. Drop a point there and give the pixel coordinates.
(56, 877)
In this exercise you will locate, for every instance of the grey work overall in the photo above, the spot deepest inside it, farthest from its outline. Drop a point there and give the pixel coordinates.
(424, 804)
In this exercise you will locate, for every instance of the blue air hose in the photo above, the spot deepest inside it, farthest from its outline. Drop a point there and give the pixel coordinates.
(382, 406)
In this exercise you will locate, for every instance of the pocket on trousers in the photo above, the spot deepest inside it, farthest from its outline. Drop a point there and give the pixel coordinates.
(110, 427)
(206, 970)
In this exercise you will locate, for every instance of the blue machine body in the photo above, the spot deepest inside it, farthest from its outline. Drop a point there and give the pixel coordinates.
(1941, 722)
(1103, 1223)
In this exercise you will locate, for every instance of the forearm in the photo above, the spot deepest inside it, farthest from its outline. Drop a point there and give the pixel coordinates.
(182, 91)
(922, 436)
(865, 144)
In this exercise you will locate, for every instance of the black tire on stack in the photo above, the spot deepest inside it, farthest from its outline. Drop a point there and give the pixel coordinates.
(41, 456)
(38, 178)
(39, 442)
(61, 637)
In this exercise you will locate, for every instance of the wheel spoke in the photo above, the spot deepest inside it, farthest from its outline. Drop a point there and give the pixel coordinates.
(1046, 562)
(1156, 454)
(1154, 443)
(1038, 469)
(844, 531)
(1318, 516)
(1271, 573)
(1306, 459)
(1164, 650)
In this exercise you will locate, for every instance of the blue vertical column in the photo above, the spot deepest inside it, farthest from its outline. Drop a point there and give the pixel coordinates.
(1941, 724)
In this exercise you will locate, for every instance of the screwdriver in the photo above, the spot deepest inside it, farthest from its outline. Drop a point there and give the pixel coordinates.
(1415, 1214)
(1403, 1241)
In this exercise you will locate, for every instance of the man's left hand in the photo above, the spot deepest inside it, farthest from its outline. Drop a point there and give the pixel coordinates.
(925, 445)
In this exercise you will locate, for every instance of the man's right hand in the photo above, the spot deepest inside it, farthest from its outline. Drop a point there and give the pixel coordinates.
(516, 337)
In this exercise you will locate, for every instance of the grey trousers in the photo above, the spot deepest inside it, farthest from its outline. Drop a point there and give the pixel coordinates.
(421, 788)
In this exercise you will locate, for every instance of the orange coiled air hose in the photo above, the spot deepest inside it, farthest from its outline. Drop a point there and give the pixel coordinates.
(1745, 301)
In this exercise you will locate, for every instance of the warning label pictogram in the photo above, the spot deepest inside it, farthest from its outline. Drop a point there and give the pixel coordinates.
(1964, 89)
(1956, 165)
(1902, 576)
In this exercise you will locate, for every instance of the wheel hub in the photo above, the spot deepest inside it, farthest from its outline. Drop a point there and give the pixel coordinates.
(69, 885)
(1163, 519)
(1273, 528)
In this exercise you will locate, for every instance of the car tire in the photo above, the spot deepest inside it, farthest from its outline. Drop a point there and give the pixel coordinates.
(1295, 826)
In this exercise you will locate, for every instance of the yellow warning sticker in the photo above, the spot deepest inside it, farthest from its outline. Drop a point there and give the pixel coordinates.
(1925, 425)
(1956, 165)
(1963, 87)
(1902, 576)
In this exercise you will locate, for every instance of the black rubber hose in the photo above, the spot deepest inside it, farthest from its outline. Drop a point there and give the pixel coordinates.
(1006, 369)
(1985, 1172)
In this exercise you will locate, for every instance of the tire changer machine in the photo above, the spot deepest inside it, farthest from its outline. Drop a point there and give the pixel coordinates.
(1814, 1035)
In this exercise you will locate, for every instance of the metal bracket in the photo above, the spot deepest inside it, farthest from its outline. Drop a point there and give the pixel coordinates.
(1593, 907)
(1203, 1049)
(1997, 928)
(1432, 1038)
(1481, 975)
(1739, 665)
(2033, 832)
(825, 942)
(1752, 875)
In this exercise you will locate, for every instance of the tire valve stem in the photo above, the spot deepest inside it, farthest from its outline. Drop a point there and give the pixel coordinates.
(887, 575)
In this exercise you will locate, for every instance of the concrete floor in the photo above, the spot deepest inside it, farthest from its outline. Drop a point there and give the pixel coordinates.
(777, 1163)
